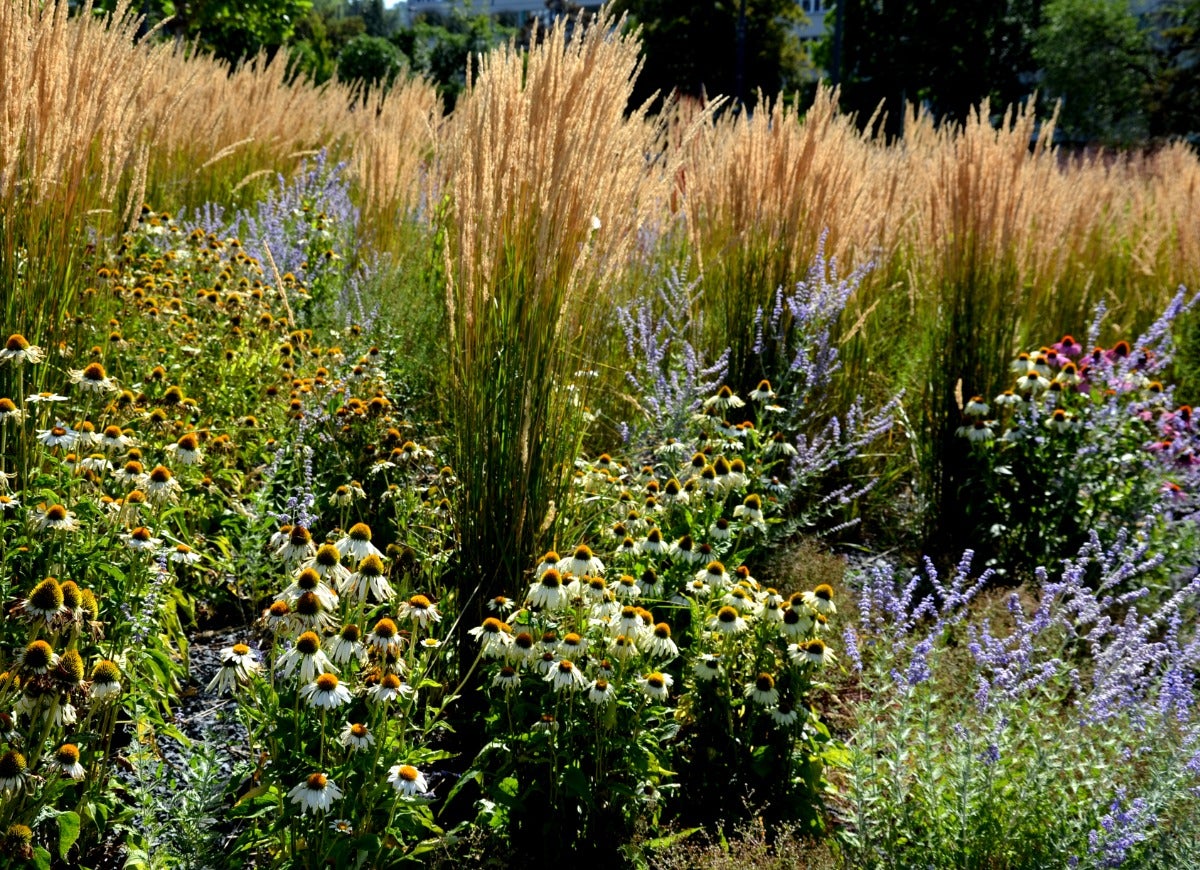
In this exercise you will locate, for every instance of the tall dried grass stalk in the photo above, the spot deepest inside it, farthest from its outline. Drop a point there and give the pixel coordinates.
(73, 136)
(759, 190)
(546, 183)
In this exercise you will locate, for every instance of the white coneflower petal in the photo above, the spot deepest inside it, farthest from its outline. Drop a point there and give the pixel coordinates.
(407, 780)
(316, 793)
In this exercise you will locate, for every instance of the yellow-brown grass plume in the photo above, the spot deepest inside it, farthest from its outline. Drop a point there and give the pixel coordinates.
(546, 181)
(759, 190)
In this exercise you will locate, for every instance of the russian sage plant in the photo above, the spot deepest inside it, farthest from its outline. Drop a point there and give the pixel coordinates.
(1069, 737)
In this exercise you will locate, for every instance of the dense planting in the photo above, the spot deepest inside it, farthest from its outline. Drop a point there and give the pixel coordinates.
(469, 488)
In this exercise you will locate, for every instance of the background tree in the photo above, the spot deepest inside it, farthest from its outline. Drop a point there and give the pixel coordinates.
(948, 55)
(440, 46)
(371, 60)
(1099, 62)
(692, 46)
(1172, 101)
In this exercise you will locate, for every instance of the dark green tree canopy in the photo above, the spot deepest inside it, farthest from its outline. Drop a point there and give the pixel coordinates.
(693, 46)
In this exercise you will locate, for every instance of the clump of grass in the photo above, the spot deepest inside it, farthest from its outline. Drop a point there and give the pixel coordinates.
(759, 190)
(54, 175)
(546, 185)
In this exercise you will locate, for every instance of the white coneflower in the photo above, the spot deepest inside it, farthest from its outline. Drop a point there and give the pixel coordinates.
(327, 562)
(298, 546)
(797, 624)
(421, 610)
(106, 680)
(715, 576)
(977, 431)
(45, 601)
(182, 554)
(721, 530)
(315, 793)
(582, 561)
(356, 737)
(522, 649)
(66, 760)
(129, 474)
(369, 581)
(593, 589)
(622, 647)
(97, 463)
(548, 561)
(779, 447)
(46, 399)
(565, 677)
(652, 585)
(976, 407)
(600, 692)
(57, 518)
(389, 688)
(407, 780)
(357, 543)
(10, 412)
(763, 392)
(658, 643)
(343, 496)
(727, 621)
(325, 692)
(673, 493)
(572, 646)
(723, 400)
(813, 652)
(743, 600)
(113, 440)
(278, 619)
(685, 551)
(507, 678)
(494, 637)
(309, 614)
(626, 588)
(17, 350)
(37, 659)
(654, 543)
(243, 657)
(707, 667)
(346, 645)
(657, 686)
(1060, 421)
(762, 691)
(227, 678)
(785, 715)
(141, 539)
(1032, 382)
(385, 637)
(160, 486)
(547, 591)
(750, 509)
(58, 436)
(187, 449)
(820, 600)
(501, 605)
(306, 659)
(309, 581)
(14, 771)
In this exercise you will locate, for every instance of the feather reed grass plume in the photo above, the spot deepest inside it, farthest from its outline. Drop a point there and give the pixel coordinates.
(546, 182)
(224, 124)
(74, 143)
(758, 192)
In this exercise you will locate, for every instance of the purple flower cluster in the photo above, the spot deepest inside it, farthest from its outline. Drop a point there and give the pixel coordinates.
(667, 374)
(306, 227)
(798, 333)
(1122, 828)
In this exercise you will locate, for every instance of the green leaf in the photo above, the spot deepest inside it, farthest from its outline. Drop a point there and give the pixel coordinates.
(41, 858)
(68, 833)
